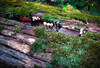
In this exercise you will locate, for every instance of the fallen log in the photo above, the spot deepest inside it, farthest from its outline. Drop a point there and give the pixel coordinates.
(69, 28)
(25, 31)
(18, 59)
(20, 36)
(9, 22)
(69, 32)
(28, 32)
(15, 44)
(2, 23)
(2, 19)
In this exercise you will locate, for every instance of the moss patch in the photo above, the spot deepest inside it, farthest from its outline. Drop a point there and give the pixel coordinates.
(69, 51)
(51, 12)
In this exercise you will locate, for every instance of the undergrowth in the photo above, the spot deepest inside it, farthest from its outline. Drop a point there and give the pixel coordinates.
(17, 29)
(69, 51)
(50, 12)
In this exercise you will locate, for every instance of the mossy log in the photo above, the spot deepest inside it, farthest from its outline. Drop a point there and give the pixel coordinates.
(20, 36)
(17, 59)
(25, 31)
(8, 22)
(15, 44)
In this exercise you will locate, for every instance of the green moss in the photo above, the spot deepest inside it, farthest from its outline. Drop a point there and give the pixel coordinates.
(54, 13)
(69, 51)
(17, 29)
(39, 46)
(64, 14)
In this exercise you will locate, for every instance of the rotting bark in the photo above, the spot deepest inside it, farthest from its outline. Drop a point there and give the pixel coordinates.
(24, 30)
(15, 44)
(18, 59)
(20, 36)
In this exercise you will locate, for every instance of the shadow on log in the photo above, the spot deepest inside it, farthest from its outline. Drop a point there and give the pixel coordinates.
(17, 59)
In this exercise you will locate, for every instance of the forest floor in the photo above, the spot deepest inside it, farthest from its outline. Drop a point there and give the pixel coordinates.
(19, 36)
(17, 42)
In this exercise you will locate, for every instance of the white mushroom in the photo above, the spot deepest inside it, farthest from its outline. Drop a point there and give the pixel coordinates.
(33, 18)
(48, 24)
(44, 23)
(51, 24)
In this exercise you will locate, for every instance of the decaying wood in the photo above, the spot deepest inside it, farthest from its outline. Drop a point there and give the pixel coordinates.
(13, 47)
(69, 28)
(2, 19)
(28, 31)
(9, 22)
(25, 31)
(25, 38)
(13, 23)
(15, 58)
(14, 44)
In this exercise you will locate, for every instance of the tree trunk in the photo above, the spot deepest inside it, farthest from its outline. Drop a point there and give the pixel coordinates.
(17, 59)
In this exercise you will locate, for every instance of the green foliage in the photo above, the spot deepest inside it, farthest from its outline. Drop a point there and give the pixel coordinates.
(6, 3)
(17, 29)
(41, 33)
(50, 18)
(11, 15)
(25, 10)
(73, 60)
(51, 13)
(48, 65)
(81, 52)
(93, 36)
(69, 51)
(39, 46)
(60, 60)
(66, 48)
(93, 41)
(86, 5)
(59, 13)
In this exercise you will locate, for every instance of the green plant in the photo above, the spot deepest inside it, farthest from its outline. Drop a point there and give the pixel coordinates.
(67, 48)
(93, 36)
(70, 61)
(60, 60)
(39, 46)
(50, 13)
(69, 51)
(81, 52)
(42, 32)
(48, 65)
(73, 60)
(17, 29)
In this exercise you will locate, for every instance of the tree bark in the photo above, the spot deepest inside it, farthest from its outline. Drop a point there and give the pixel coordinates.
(15, 44)
(18, 59)
(20, 36)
